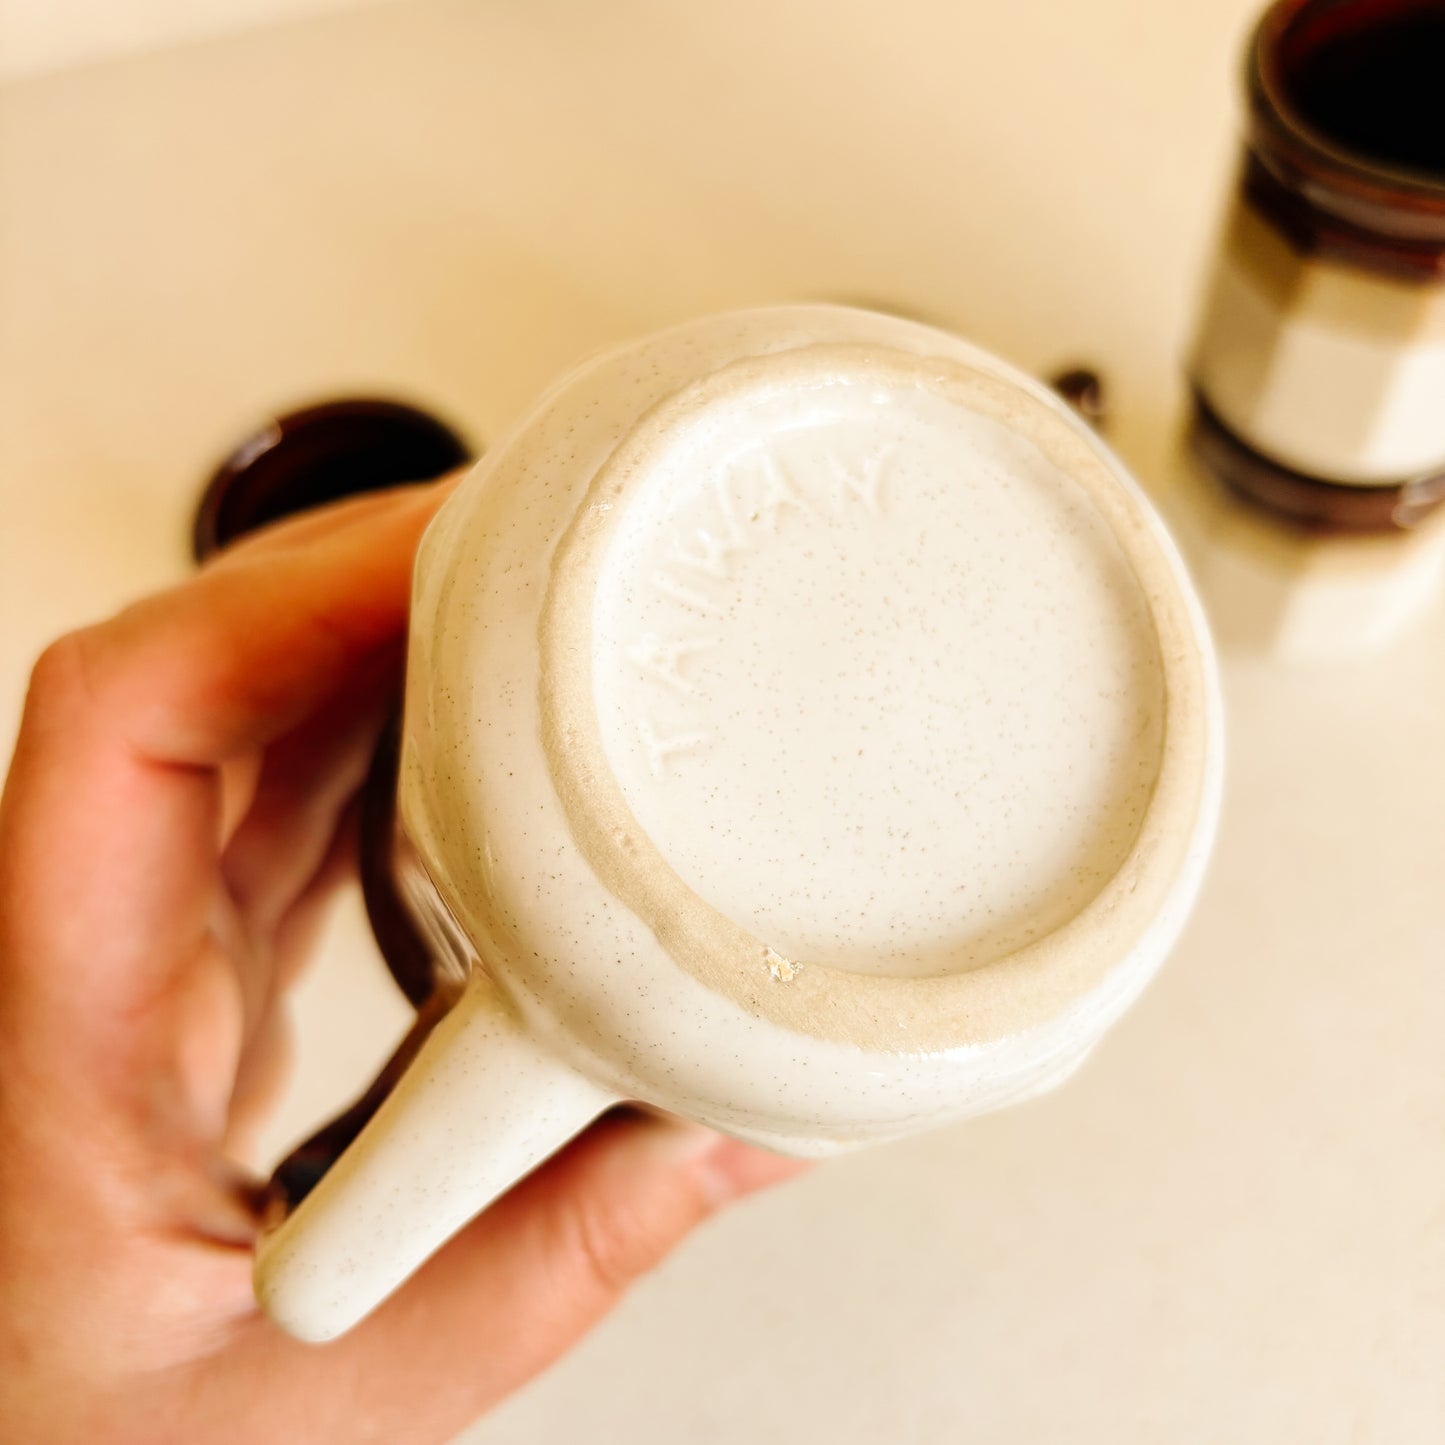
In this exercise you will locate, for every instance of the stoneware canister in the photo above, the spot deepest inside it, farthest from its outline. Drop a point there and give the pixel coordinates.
(1319, 367)
(1313, 509)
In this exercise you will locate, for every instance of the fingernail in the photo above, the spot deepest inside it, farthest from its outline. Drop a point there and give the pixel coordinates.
(678, 1141)
(731, 1170)
(726, 1168)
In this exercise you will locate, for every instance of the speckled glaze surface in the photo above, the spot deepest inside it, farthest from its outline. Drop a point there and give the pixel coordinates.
(813, 732)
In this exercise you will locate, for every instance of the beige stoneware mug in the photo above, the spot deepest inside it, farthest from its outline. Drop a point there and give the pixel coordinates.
(809, 730)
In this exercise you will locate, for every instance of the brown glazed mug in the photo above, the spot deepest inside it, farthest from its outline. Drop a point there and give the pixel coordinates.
(319, 454)
(1318, 371)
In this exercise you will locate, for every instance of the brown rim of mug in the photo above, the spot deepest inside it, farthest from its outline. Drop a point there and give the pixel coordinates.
(408, 956)
(319, 454)
(1338, 508)
(1324, 196)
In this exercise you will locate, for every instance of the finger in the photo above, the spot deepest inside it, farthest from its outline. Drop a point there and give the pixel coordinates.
(303, 528)
(297, 930)
(266, 1057)
(267, 1069)
(237, 656)
(112, 777)
(308, 779)
(240, 777)
(512, 1291)
(111, 819)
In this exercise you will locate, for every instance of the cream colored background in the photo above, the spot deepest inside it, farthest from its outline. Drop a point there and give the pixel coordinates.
(1232, 1226)
(44, 35)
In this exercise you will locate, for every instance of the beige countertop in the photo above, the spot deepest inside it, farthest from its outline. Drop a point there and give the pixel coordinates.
(1232, 1225)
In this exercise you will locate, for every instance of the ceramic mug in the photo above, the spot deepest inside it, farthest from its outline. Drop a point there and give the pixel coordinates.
(809, 730)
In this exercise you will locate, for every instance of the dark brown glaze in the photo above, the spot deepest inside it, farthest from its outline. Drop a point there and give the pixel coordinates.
(317, 455)
(1083, 388)
(1345, 147)
(1368, 76)
(1305, 501)
(412, 961)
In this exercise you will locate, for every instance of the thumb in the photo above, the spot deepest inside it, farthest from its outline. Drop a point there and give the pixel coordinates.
(515, 1289)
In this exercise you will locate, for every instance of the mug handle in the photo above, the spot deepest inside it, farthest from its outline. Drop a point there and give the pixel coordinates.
(481, 1105)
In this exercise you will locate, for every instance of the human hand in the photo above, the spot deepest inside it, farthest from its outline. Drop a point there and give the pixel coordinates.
(179, 809)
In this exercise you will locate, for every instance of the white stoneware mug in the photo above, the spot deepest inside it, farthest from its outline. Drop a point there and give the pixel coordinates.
(809, 730)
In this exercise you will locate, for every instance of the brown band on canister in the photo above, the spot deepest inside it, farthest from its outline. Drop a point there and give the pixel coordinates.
(1313, 231)
(1308, 502)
